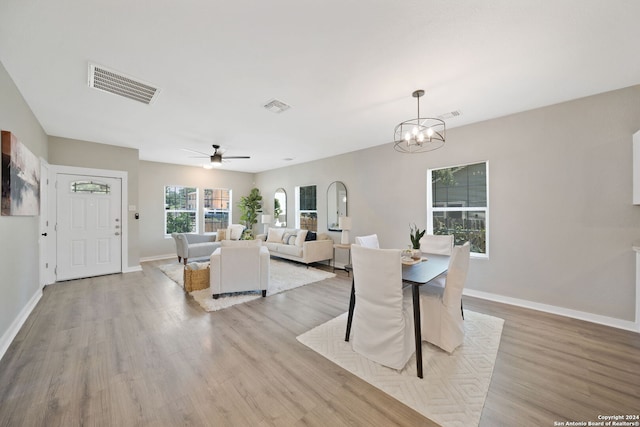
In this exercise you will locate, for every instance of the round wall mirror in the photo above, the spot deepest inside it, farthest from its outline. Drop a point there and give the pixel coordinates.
(336, 204)
(280, 208)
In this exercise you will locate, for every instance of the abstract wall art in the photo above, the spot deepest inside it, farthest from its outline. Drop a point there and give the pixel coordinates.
(20, 178)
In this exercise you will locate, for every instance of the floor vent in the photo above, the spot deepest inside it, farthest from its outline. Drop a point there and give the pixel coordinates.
(113, 82)
(277, 106)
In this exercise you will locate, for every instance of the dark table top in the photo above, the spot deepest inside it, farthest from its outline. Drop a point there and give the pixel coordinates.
(425, 271)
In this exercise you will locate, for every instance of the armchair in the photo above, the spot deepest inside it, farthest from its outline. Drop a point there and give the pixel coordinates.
(239, 266)
(193, 245)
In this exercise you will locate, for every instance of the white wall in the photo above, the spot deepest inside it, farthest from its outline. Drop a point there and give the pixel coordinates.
(561, 219)
(19, 284)
(155, 176)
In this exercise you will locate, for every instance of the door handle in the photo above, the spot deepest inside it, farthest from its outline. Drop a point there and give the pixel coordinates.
(44, 234)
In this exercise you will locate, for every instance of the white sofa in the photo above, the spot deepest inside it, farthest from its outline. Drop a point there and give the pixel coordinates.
(193, 245)
(238, 266)
(290, 244)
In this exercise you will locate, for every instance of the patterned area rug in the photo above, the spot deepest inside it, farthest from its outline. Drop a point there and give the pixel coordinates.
(454, 387)
(283, 276)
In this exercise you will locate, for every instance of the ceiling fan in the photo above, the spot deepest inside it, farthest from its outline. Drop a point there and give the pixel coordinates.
(216, 157)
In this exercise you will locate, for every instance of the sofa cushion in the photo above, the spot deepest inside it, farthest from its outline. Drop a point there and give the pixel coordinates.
(273, 247)
(275, 235)
(222, 235)
(290, 250)
(311, 236)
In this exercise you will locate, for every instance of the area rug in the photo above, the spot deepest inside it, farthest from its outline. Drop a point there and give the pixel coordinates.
(283, 276)
(454, 387)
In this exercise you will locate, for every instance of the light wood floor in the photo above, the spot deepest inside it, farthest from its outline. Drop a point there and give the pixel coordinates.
(132, 349)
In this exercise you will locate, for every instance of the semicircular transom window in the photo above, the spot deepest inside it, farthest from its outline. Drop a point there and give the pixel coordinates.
(90, 187)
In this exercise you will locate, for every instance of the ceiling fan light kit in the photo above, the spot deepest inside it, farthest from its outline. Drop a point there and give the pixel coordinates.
(421, 134)
(215, 159)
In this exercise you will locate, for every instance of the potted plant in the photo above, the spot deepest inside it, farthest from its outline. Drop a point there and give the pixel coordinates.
(415, 235)
(250, 206)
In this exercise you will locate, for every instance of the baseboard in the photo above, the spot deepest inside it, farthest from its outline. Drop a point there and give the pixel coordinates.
(158, 257)
(561, 311)
(132, 269)
(13, 330)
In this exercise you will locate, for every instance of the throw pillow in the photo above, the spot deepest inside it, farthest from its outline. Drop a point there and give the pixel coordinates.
(302, 234)
(291, 240)
(275, 235)
(222, 235)
(286, 235)
(235, 231)
(311, 235)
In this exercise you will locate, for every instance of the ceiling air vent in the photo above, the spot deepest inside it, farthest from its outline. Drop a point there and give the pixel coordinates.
(114, 82)
(276, 106)
(450, 115)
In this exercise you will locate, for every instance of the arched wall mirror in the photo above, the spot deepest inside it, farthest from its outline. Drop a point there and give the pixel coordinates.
(336, 204)
(280, 208)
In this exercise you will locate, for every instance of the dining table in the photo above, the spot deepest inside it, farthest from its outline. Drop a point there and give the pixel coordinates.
(415, 274)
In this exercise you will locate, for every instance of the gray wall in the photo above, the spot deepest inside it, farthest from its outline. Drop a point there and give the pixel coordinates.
(19, 235)
(155, 176)
(72, 152)
(560, 183)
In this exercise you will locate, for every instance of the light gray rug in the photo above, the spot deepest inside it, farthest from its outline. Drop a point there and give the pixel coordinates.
(282, 277)
(454, 387)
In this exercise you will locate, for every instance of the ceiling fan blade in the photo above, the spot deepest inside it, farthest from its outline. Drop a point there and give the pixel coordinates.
(236, 157)
(197, 152)
(199, 157)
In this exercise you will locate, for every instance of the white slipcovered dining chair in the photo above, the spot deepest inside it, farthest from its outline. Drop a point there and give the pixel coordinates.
(370, 241)
(440, 315)
(441, 244)
(382, 320)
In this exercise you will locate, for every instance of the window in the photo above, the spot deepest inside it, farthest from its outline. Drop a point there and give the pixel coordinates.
(90, 187)
(217, 209)
(306, 212)
(180, 207)
(457, 203)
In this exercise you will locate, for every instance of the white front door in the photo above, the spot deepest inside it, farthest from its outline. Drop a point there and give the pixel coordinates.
(89, 227)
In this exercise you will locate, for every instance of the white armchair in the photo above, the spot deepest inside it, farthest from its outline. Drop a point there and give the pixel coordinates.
(382, 320)
(239, 266)
(441, 318)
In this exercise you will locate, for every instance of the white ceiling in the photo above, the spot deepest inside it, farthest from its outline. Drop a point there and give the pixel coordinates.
(347, 67)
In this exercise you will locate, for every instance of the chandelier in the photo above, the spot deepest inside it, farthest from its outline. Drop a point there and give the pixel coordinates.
(419, 135)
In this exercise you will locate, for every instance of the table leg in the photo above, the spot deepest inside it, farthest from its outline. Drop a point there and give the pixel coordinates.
(417, 329)
(352, 304)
